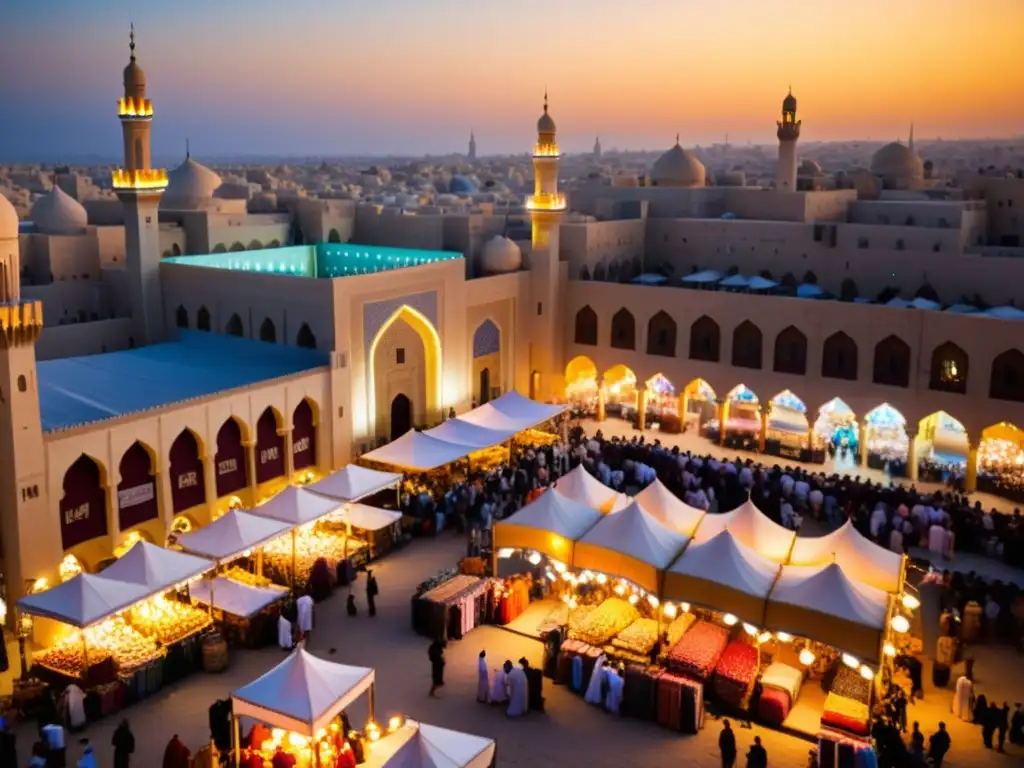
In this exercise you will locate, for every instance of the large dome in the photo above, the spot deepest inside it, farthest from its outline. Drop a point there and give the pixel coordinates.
(8, 220)
(57, 213)
(897, 161)
(678, 168)
(501, 255)
(460, 185)
(189, 186)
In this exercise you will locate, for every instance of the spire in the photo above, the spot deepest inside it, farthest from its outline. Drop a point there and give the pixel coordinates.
(131, 40)
(910, 141)
(677, 138)
(545, 99)
(188, 152)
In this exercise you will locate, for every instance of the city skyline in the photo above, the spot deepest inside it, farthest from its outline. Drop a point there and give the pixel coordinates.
(407, 80)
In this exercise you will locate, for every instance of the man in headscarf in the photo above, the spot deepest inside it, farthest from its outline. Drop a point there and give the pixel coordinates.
(519, 695)
(176, 755)
(482, 681)
(499, 689)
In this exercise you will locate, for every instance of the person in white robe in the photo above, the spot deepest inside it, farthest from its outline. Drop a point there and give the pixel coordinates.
(304, 608)
(963, 700)
(594, 694)
(482, 682)
(284, 633)
(518, 693)
(615, 686)
(75, 703)
(499, 688)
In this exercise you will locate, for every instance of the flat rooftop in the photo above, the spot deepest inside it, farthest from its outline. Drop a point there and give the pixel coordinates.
(321, 260)
(81, 390)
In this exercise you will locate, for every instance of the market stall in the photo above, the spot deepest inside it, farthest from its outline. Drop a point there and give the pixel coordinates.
(620, 392)
(417, 452)
(452, 609)
(788, 432)
(858, 556)
(662, 404)
(836, 431)
(1001, 462)
(742, 417)
(751, 527)
(581, 387)
(701, 404)
(418, 745)
(376, 526)
(885, 439)
(668, 509)
(582, 487)
(550, 525)
(246, 611)
(232, 535)
(353, 482)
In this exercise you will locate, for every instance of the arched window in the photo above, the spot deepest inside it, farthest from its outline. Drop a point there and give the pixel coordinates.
(949, 369)
(334, 236)
(661, 335)
(746, 346)
(892, 362)
(268, 332)
(1007, 379)
(237, 246)
(623, 330)
(586, 326)
(175, 250)
(181, 317)
(791, 352)
(305, 338)
(203, 319)
(234, 326)
(705, 340)
(255, 245)
(839, 357)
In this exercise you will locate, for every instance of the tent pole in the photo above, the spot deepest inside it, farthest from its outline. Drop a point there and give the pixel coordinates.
(85, 658)
(236, 741)
(294, 579)
(373, 717)
(213, 580)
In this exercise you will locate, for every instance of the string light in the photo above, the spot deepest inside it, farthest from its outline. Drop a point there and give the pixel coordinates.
(669, 610)
(784, 637)
(807, 657)
(900, 624)
(750, 629)
(911, 603)
(865, 672)
(851, 661)
(729, 619)
(889, 649)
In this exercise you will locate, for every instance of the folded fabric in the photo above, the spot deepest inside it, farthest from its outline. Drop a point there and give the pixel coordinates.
(610, 618)
(850, 684)
(678, 627)
(699, 650)
(735, 672)
(773, 706)
(639, 637)
(846, 714)
(784, 678)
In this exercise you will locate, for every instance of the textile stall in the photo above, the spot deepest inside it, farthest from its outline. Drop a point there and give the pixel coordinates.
(451, 610)
(788, 432)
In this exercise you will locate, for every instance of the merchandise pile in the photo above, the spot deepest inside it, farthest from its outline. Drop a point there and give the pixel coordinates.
(610, 618)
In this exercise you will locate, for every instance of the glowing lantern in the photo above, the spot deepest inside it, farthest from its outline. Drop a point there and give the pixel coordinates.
(685, 607)
(633, 599)
(783, 637)
(750, 629)
(851, 661)
(889, 649)
(911, 603)
(534, 558)
(900, 624)
(729, 619)
(865, 672)
(653, 601)
(602, 579)
(806, 657)
(670, 610)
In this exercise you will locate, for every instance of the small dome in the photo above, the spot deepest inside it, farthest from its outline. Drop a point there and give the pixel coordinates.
(460, 185)
(8, 220)
(808, 168)
(134, 78)
(501, 255)
(57, 213)
(897, 161)
(546, 124)
(678, 168)
(189, 186)
(789, 103)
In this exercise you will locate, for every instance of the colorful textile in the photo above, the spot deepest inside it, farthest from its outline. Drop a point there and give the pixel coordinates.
(735, 672)
(639, 637)
(773, 706)
(699, 650)
(784, 678)
(845, 714)
(678, 627)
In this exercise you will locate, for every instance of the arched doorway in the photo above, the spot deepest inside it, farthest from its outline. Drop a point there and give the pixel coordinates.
(788, 432)
(136, 493)
(662, 404)
(303, 436)
(269, 446)
(405, 358)
(941, 447)
(836, 434)
(232, 468)
(581, 385)
(401, 416)
(885, 440)
(1001, 462)
(486, 359)
(484, 393)
(188, 481)
(700, 405)
(740, 422)
(619, 384)
(83, 507)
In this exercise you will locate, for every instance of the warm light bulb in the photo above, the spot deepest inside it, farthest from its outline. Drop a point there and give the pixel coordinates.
(865, 672)
(784, 637)
(889, 649)
(750, 629)
(395, 723)
(620, 590)
(729, 619)
(602, 579)
(558, 566)
(685, 607)
(653, 601)
(670, 610)
(533, 559)
(851, 661)
(552, 576)
(806, 657)
(633, 599)
(764, 637)
(911, 603)
(900, 624)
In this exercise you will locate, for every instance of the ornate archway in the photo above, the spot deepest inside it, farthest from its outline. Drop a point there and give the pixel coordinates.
(188, 479)
(136, 493)
(304, 421)
(270, 461)
(83, 506)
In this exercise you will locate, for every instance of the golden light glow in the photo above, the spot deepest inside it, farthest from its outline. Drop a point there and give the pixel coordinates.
(807, 657)
(911, 603)
(889, 649)
(750, 629)
(764, 637)
(851, 661)
(130, 541)
(40, 584)
(900, 624)
(685, 607)
(69, 567)
(395, 723)
(147, 178)
(129, 107)
(546, 150)
(729, 620)
(633, 599)
(670, 610)
(546, 202)
(784, 637)
(865, 672)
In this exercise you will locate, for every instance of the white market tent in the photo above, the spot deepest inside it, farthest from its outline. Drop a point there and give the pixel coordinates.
(631, 544)
(352, 482)
(418, 452)
(156, 568)
(660, 502)
(369, 518)
(468, 434)
(581, 486)
(723, 574)
(512, 413)
(550, 524)
(84, 600)
(751, 527)
(824, 604)
(418, 745)
(229, 536)
(234, 597)
(297, 506)
(302, 694)
(860, 558)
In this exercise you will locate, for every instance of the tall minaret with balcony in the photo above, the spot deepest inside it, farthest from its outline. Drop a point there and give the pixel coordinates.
(472, 148)
(546, 207)
(788, 133)
(139, 187)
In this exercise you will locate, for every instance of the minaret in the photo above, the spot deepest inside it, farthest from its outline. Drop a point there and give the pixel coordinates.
(910, 141)
(472, 147)
(139, 187)
(597, 148)
(546, 206)
(788, 133)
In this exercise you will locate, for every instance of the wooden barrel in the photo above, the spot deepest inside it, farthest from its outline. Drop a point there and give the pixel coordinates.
(215, 653)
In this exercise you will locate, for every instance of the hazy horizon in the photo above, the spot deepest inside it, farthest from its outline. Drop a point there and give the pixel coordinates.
(409, 79)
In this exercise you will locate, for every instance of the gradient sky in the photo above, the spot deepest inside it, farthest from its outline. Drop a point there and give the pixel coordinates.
(343, 77)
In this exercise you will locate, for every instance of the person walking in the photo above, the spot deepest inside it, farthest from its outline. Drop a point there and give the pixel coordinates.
(1002, 725)
(483, 683)
(88, 758)
(371, 593)
(727, 745)
(304, 616)
(990, 717)
(124, 745)
(436, 655)
(938, 746)
(757, 757)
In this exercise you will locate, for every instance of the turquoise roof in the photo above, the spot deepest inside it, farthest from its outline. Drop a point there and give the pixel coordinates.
(80, 390)
(324, 260)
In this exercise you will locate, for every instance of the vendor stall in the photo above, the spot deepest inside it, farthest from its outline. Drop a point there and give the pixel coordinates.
(662, 404)
(1001, 462)
(582, 487)
(550, 525)
(418, 745)
(352, 483)
(858, 556)
(788, 433)
(417, 452)
(742, 427)
(232, 535)
(247, 612)
(836, 430)
(886, 439)
(668, 509)
(452, 609)
(620, 393)
(751, 527)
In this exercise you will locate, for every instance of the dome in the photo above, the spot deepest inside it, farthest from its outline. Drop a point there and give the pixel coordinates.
(189, 186)
(501, 255)
(678, 168)
(134, 78)
(57, 213)
(808, 168)
(460, 185)
(789, 103)
(897, 161)
(8, 220)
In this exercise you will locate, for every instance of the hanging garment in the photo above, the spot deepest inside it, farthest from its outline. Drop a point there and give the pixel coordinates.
(75, 706)
(593, 695)
(284, 633)
(577, 673)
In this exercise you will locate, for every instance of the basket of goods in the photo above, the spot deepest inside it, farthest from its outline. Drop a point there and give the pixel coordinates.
(610, 618)
(215, 653)
(168, 621)
(68, 658)
(678, 627)
(638, 638)
(129, 648)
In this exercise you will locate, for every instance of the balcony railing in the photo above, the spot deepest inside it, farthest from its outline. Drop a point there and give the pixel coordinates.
(129, 107)
(546, 150)
(546, 202)
(150, 178)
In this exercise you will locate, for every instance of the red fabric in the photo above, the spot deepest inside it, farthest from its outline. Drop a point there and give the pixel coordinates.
(735, 672)
(252, 760)
(844, 723)
(773, 705)
(697, 653)
(258, 735)
(283, 759)
(176, 755)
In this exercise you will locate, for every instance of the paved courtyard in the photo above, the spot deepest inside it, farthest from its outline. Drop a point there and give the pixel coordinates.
(570, 733)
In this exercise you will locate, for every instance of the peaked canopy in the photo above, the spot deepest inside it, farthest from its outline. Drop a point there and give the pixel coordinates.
(751, 527)
(462, 432)
(155, 568)
(234, 597)
(859, 557)
(581, 486)
(303, 693)
(724, 574)
(352, 482)
(229, 536)
(631, 544)
(824, 604)
(370, 518)
(419, 745)
(669, 510)
(418, 452)
(84, 600)
(512, 413)
(297, 506)
(550, 524)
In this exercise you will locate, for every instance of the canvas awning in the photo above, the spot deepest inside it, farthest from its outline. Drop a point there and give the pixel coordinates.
(512, 413)
(669, 510)
(234, 597)
(751, 527)
(550, 524)
(418, 745)
(581, 486)
(824, 604)
(156, 568)
(352, 482)
(302, 694)
(84, 600)
(418, 452)
(297, 506)
(631, 544)
(462, 432)
(859, 557)
(369, 518)
(229, 536)
(723, 574)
